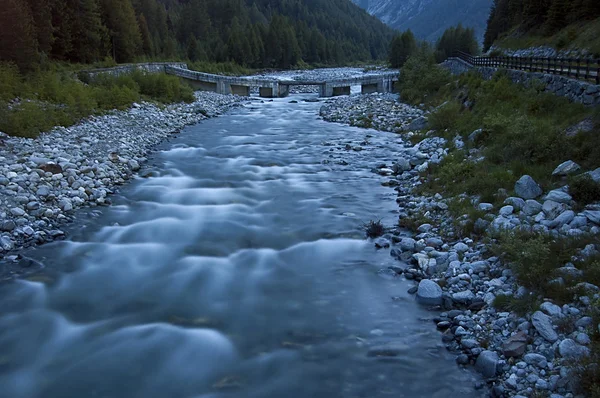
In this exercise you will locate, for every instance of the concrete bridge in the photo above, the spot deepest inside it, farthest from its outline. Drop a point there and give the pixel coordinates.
(271, 88)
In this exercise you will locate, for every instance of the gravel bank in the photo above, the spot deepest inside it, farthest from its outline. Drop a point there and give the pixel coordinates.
(459, 279)
(43, 180)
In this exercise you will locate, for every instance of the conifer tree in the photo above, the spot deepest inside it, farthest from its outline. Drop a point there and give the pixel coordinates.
(17, 41)
(126, 40)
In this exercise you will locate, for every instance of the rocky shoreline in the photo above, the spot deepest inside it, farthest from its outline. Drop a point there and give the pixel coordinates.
(518, 356)
(43, 180)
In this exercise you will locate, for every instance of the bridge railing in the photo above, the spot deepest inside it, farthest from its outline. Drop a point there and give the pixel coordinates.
(582, 69)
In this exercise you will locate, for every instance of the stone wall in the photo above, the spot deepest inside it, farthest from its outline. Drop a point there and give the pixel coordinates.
(575, 90)
(150, 67)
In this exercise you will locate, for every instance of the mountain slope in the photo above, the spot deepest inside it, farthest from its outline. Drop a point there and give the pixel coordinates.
(429, 18)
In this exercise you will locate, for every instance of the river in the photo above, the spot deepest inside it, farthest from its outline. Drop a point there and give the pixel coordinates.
(239, 268)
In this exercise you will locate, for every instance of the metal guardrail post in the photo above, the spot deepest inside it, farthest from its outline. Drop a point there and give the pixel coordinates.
(598, 71)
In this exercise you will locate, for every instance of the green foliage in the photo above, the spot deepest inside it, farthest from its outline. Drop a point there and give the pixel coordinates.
(454, 39)
(584, 190)
(223, 68)
(535, 258)
(401, 48)
(55, 98)
(254, 34)
(519, 305)
(422, 79)
(446, 116)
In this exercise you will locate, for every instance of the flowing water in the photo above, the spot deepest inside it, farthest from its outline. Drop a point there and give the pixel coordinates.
(239, 269)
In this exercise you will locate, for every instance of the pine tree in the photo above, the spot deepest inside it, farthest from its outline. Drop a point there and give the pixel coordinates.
(147, 44)
(125, 34)
(17, 42)
(402, 47)
(90, 38)
(557, 16)
(41, 11)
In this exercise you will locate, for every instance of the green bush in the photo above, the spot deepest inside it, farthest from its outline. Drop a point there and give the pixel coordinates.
(446, 116)
(584, 190)
(55, 97)
(422, 79)
(222, 68)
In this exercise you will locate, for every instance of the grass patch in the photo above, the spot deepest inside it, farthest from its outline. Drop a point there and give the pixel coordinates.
(464, 216)
(536, 257)
(523, 131)
(580, 35)
(33, 103)
(519, 305)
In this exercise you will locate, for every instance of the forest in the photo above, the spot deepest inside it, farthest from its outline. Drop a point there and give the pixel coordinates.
(545, 17)
(251, 33)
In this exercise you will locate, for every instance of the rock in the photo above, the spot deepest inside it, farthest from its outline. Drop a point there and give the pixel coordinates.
(515, 202)
(559, 195)
(462, 359)
(593, 216)
(7, 225)
(17, 212)
(473, 136)
(552, 209)
(515, 345)
(429, 293)
(566, 168)
(424, 228)
(551, 309)
(52, 168)
(536, 360)
(486, 363)
(65, 205)
(43, 190)
(527, 188)
(461, 247)
(401, 166)
(407, 244)
(543, 324)
(420, 123)
(485, 207)
(595, 174)
(532, 207)
(463, 297)
(570, 349)
(388, 350)
(506, 211)
(6, 243)
(563, 218)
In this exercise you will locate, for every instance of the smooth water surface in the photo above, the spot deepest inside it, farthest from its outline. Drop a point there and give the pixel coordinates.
(239, 270)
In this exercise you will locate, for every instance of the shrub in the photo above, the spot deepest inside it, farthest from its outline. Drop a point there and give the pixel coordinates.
(374, 229)
(446, 116)
(584, 189)
(422, 79)
(519, 305)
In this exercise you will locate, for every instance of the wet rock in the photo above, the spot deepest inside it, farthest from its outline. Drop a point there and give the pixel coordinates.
(51, 168)
(464, 297)
(527, 188)
(429, 293)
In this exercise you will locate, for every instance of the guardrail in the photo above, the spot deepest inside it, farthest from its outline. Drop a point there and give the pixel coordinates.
(577, 68)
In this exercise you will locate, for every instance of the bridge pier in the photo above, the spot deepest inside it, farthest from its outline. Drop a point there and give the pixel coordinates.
(345, 90)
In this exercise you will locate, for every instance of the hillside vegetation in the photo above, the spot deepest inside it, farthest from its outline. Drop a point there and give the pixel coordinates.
(253, 33)
(560, 23)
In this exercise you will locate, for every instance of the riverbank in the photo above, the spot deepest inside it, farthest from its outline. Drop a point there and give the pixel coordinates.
(454, 253)
(43, 180)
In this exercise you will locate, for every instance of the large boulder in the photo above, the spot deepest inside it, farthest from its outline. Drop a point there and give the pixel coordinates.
(429, 293)
(570, 349)
(527, 188)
